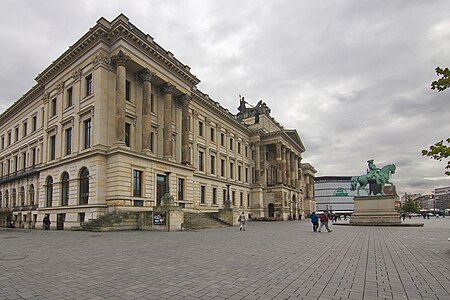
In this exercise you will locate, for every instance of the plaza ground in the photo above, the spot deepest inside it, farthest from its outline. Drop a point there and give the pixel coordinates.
(271, 260)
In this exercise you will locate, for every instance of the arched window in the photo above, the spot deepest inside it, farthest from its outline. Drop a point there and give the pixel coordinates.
(6, 198)
(49, 192)
(84, 186)
(22, 196)
(65, 189)
(13, 198)
(31, 194)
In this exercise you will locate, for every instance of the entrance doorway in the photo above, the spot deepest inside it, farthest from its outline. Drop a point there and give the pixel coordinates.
(271, 208)
(60, 221)
(160, 188)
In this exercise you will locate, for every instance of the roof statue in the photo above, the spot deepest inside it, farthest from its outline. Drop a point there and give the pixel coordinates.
(375, 177)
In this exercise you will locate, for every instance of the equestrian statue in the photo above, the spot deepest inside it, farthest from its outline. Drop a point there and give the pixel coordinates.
(375, 177)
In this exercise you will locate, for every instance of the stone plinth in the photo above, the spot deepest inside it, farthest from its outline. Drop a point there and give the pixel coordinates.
(229, 215)
(375, 211)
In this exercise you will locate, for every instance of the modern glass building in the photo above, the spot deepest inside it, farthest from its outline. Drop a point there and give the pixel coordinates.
(333, 193)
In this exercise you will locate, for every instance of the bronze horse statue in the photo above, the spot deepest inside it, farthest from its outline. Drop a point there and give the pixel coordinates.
(383, 177)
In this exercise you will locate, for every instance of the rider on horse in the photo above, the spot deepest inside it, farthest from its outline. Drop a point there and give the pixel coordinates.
(373, 173)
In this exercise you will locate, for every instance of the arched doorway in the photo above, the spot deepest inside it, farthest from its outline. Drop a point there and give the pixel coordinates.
(271, 209)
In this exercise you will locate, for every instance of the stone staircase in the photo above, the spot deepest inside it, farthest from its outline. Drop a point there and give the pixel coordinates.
(198, 220)
(111, 222)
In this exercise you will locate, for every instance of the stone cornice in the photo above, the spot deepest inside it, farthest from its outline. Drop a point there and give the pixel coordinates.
(110, 32)
(285, 137)
(35, 92)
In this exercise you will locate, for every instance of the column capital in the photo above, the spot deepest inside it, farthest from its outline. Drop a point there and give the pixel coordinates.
(121, 59)
(145, 75)
(184, 99)
(167, 88)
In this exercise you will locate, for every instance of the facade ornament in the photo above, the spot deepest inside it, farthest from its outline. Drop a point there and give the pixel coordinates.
(76, 74)
(167, 88)
(60, 87)
(183, 100)
(101, 58)
(145, 75)
(121, 59)
(46, 97)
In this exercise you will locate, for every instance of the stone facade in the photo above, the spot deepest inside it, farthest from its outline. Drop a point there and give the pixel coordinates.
(113, 114)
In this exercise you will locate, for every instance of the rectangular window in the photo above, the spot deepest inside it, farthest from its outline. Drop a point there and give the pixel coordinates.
(246, 175)
(222, 167)
(213, 164)
(3, 143)
(231, 170)
(24, 161)
(248, 200)
(127, 90)
(52, 147)
(87, 134)
(88, 85)
(68, 141)
(180, 188)
(239, 173)
(25, 129)
(33, 157)
(233, 196)
(202, 194)
(246, 151)
(34, 123)
(239, 148)
(222, 139)
(214, 195)
(127, 134)
(224, 196)
(200, 160)
(69, 102)
(152, 103)
(53, 107)
(241, 199)
(231, 143)
(137, 183)
(9, 138)
(200, 128)
(152, 141)
(16, 134)
(212, 135)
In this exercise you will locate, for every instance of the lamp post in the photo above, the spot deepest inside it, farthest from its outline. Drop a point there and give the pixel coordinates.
(227, 202)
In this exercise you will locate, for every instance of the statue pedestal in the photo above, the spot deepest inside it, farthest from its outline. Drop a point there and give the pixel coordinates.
(375, 211)
(168, 216)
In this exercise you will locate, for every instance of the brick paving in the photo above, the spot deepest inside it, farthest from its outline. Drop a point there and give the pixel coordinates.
(273, 260)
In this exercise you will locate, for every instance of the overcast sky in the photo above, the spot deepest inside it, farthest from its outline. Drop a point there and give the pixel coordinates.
(353, 77)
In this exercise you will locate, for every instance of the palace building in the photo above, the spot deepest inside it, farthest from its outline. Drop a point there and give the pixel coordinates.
(116, 115)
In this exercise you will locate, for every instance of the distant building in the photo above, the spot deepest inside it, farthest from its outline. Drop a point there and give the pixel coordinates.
(442, 198)
(333, 193)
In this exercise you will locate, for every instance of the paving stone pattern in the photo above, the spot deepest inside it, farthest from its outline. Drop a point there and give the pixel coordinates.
(273, 260)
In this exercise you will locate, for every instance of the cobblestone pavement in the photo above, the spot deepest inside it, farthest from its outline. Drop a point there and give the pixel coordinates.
(271, 260)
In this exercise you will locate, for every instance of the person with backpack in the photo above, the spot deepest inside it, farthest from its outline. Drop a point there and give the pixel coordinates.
(324, 221)
(242, 221)
(315, 221)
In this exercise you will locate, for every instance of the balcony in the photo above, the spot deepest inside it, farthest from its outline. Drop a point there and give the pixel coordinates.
(30, 171)
(25, 207)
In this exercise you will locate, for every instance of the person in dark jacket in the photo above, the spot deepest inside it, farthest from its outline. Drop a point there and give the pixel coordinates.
(315, 221)
(46, 222)
(324, 221)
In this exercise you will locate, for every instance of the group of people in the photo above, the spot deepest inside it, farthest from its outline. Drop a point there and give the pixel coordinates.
(323, 217)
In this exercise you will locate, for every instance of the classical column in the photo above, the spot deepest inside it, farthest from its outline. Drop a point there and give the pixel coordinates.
(283, 163)
(257, 162)
(295, 170)
(263, 175)
(279, 163)
(288, 167)
(145, 76)
(167, 90)
(121, 74)
(292, 170)
(185, 157)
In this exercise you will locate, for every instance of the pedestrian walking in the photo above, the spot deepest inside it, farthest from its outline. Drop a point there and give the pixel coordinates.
(315, 221)
(324, 221)
(46, 222)
(242, 221)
